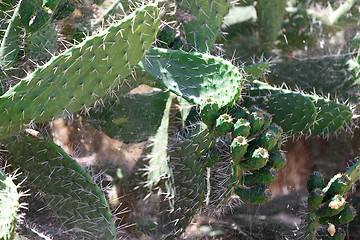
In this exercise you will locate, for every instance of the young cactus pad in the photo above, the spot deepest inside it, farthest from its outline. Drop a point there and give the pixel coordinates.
(9, 203)
(69, 190)
(194, 76)
(81, 75)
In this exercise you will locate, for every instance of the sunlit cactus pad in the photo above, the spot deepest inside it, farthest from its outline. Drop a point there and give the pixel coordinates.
(194, 76)
(81, 75)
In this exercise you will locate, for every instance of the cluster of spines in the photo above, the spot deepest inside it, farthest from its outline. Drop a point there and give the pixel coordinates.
(254, 145)
(327, 204)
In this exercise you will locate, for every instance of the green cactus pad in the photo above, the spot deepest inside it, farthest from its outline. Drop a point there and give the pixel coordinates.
(239, 112)
(224, 124)
(202, 20)
(81, 75)
(209, 110)
(212, 158)
(331, 116)
(344, 217)
(9, 204)
(36, 13)
(256, 159)
(68, 189)
(194, 76)
(270, 17)
(339, 184)
(131, 117)
(328, 75)
(256, 195)
(315, 198)
(332, 207)
(263, 176)
(277, 159)
(315, 180)
(158, 160)
(241, 128)
(268, 139)
(238, 149)
(256, 119)
(166, 35)
(293, 111)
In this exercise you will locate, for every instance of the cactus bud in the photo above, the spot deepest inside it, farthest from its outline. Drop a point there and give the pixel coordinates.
(315, 180)
(268, 139)
(258, 159)
(224, 124)
(315, 198)
(344, 217)
(334, 206)
(340, 184)
(238, 148)
(277, 159)
(209, 110)
(241, 128)
(256, 119)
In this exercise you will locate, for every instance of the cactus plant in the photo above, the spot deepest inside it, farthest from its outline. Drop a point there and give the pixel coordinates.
(233, 119)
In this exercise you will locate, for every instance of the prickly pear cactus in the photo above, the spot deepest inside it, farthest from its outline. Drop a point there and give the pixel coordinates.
(67, 188)
(109, 57)
(327, 205)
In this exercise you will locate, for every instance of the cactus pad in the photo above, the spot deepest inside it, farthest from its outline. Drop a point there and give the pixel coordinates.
(256, 195)
(81, 75)
(194, 76)
(65, 186)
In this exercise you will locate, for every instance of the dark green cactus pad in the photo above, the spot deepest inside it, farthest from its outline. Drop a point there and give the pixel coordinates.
(344, 217)
(224, 124)
(263, 176)
(277, 159)
(293, 111)
(202, 20)
(194, 76)
(36, 13)
(332, 207)
(256, 159)
(189, 188)
(131, 117)
(238, 149)
(209, 111)
(256, 119)
(212, 158)
(238, 111)
(68, 189)
(268, 139)
(315, 180)
(330, 75)
(81, 75)
(315, 198)
(331, 116)
(9, 204)
(241, 128)
(166, 35)
(256, 195)
(339, 184)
